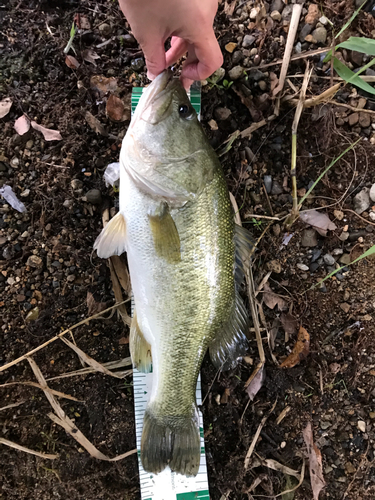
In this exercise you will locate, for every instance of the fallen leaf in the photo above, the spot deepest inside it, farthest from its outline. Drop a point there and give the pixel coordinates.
(93, 306)
(256, 382)
(123, 341)
(8, 194)
(271, 299)
(22, 125)
(115, 109)
(319, 220)
(315, 462)
(48, 134)
(103, 84)
(82, 22)
(90, 56)
(72, 62)
(289, 322)
(229, 8)
(300, 350)
(95, 124)
(5, 106)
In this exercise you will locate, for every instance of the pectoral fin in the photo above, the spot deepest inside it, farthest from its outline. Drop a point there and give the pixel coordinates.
(140, 349)
(244, 245)
(231, 342)
(112, 239)
(165, 234)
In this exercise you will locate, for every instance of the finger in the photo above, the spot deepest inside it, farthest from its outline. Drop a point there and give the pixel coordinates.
(155, 57)
(178, 49)
(208, 58)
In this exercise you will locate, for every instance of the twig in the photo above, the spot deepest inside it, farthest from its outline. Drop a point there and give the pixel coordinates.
(363, 460)
(355, 213)
(256, 435)
(26, 450)
(111, 365)
(296, 14)
(283, 414)
(38, 386)
(296, 57)
(352, 107)
(369, 79)
(324, 97)
(56, 337)
(13, 405)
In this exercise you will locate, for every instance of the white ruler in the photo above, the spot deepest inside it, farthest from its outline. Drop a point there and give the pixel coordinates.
(167, 485)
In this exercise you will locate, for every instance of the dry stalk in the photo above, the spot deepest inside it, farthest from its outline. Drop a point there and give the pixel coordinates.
(256, 436)
(26, 450)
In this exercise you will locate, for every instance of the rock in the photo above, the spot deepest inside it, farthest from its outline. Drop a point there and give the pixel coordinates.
(361, 425)
(237, 57)
(137, 64)
(277, 5)
(222, 114)
(345, 307)
(320, 34)
(213, 125)
(361, 201)
(298, 48)
(230, 47)
(267, 179)
(323, 20)
(313, 14)
(29, 144)
(303, 267)
(364, 119)
(372, 216)
(306, 30)
(218, 75)
(15, 162)
(353, 119)
(356, 58)
(76, 184)
(324, 424)
(253, 51)
(68, 203)
(254, 12)
(276, 188)
(309, 238)
(255, 75)
(25, 193)
(350, 469)
(94, 196)
(315, 254)
(361, 102)
(372, 193)
(337, 251)
(262, 85)
(338, 214)
(105, 29)
(345, 259)
(248, 41)
(236, 72)
(310, 39)
(287, 12)
(275, 15)
(128, 40)
(34, 261)
(274, 266)
(329, 260)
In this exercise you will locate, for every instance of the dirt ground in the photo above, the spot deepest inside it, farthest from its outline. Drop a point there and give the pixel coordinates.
(48, 268)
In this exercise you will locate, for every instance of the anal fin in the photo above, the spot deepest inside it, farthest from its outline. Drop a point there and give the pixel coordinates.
(165, 234)
(140, 349)
(231, 342)
(112, 239)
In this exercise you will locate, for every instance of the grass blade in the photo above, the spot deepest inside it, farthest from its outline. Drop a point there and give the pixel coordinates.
(359, 44)
(349, 76)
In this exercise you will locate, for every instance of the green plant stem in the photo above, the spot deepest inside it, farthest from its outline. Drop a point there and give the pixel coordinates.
(293, 173)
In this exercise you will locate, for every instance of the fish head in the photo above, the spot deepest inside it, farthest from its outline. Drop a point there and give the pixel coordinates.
(165, 149)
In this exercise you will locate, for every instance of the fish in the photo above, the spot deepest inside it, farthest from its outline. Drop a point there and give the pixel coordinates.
(187, 259)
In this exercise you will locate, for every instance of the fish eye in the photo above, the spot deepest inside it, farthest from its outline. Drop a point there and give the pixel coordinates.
(185, 111)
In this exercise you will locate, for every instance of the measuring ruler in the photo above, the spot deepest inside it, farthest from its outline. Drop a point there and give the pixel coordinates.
(167, 485)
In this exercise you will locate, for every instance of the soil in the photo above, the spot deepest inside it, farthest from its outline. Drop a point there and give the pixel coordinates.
(48, 269)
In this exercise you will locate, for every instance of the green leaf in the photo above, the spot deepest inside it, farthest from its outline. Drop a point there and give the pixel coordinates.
(349, 22)
(359, 44)
(348, 75)
(73, 30)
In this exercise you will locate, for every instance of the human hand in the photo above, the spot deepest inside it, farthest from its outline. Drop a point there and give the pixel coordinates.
(188, 22)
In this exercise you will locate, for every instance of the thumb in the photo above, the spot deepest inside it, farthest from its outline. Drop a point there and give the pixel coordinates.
(154, 53)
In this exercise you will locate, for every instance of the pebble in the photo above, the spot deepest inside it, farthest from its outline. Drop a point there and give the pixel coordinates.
(314, 266)
(323, 20)
(68, 203)
(213, 125)
(313, 14)
(230, 47)
(267, 179)
(222, 113)
(253, 13)
(345, 307)
(287, 12)
(329, 260)
(338, 214)
(105, 29)
(372, 216)
(15, 162)
(345, 259)
(275, 15)
(128, 40)
(324, 424)
(337, 251)
(137, 64)
(310, 39)
(25, 193)
(361, 425)
(11, 281)
(253, 51)
(372, 193)
(306, 30)
(303, 267)
(349, 467)
(236, 72)
(361, 201)
(276, 188)
(315, 254)
(364, 120)
(76, 184)
(237, 57)
(34, 261)
(320, 34)
(277, 5)
(274, 266)
(353, 119)
(94, 196)
(255, 75)
(309, 238)
(248, 40)
(344, 236)
(262, 85)
(29, 144)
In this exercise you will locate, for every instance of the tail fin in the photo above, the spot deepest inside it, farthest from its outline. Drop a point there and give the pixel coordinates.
(172, 441)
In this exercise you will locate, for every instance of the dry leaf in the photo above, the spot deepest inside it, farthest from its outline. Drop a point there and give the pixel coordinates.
(103, 84)
(289, 322)
(5, 106)
(95, 124)
(256, 382)
(271, 299)
(72, 62)
(93, 306)
(90, 56)
(82, 22)
(319, 220)
(115, 109)
(300, 350)
(22, 125)
(229, 8)
(48, 134)
(315, 462)
(19, 447)
(123, 341)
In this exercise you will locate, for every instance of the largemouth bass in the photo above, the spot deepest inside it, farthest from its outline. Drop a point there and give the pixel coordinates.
(186, 259)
